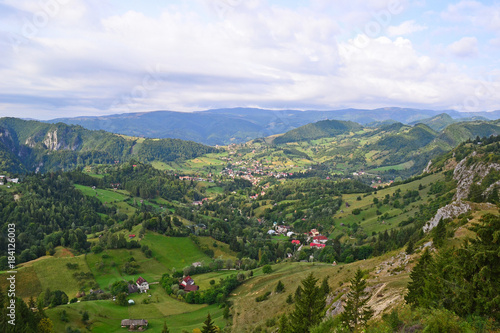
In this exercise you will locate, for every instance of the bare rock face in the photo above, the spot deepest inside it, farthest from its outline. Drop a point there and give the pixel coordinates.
(337, 307)
(449, 211)
(30, 142)
(464, 175)
(428, 167)
(51, 141)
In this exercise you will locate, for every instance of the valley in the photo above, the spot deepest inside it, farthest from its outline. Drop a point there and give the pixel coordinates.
(97, 210)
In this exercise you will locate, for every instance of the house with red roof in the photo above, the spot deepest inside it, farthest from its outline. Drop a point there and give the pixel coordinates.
(313, 232)
(296, 241)
(320, 239)
(187, 281)
(319, 246)
(188, 284)
(142, 284)
(191, 288)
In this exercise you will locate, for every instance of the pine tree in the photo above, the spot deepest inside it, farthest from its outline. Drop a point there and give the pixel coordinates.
(226, 313)
(439, 234)
(324, 286)
(356, 313)
(418, 277)
(85, 317)
(310, 303)
(284, 325)
(409, 247)
(208, 325)
(480, 267)
(165, 328)
(280, 287)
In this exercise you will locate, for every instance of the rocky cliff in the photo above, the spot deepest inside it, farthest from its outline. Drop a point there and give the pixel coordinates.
(465, 173)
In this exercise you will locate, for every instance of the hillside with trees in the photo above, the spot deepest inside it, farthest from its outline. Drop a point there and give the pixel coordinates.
(35, 146)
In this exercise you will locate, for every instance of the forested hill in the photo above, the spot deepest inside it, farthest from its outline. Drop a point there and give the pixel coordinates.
(321, 129)
(35, 146)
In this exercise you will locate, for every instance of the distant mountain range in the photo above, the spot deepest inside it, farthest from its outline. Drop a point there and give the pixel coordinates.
(405, 148)
(225, 126)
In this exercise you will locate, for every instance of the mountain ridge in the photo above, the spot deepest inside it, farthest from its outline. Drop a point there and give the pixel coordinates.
(238, 125)
(37, 146)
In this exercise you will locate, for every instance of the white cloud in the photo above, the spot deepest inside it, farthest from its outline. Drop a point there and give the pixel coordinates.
(405, 28)
(465, 47)
(475, 13)
(187, 58)
(495, 42)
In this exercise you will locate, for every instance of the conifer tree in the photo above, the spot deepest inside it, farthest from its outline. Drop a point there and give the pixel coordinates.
(409, 247)
(356, 313)
(208, 325)
(165, 328)
(280, 287)
(418, 277)
(310, 303)
(324, 286)
(480, 267)
(284, 325)
(439, 234)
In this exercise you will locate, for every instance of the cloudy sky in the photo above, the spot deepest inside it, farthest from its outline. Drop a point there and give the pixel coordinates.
(61, 58)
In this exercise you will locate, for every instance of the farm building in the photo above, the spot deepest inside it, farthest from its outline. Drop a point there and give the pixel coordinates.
(135, 324)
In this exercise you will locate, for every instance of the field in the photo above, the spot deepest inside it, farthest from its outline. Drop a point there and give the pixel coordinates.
(106, 316)
(174, 252)
(105, 196)
(368, 218)
(220, 251)
(114, 260)
(27, 283)
(203, 280)
(48, 272)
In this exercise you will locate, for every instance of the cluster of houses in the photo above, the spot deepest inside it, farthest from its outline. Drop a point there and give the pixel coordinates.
(253, 173)
(255, 196)
(199, 203)
(198, 179)
(281, 230)
(142, 286)
(315, 239)
(188, 284)
(4, 180)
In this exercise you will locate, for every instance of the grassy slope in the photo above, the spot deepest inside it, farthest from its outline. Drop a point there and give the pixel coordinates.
(48, 272)
(105, 316)
(174, 252)
(149, 268)
(105, 196)
(248, 313)
(221, 251)
(370, 223)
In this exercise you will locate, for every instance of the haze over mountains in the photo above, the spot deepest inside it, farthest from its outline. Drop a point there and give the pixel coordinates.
(237, 125)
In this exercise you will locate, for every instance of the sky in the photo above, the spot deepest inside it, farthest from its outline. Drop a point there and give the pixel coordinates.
(67, 58)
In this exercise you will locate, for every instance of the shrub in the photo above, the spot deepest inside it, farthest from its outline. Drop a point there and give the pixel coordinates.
(263, 297)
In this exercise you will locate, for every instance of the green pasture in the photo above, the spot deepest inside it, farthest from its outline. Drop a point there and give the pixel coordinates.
(174, 252)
